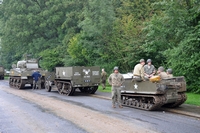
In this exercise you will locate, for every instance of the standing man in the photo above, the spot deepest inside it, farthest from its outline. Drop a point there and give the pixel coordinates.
(149, 69)
(138, 72)
(116, 80)
(103, 78)
(36, 80)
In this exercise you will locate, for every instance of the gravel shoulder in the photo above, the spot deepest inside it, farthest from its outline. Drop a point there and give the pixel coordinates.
(89, 120)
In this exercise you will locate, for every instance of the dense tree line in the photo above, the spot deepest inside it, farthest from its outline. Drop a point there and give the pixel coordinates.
(104, 33)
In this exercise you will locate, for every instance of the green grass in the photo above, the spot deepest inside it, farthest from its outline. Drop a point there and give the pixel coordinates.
(193, 99)
(108, 88)
(6, 77)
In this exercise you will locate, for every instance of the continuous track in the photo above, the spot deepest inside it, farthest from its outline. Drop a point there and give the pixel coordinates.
(182, 98)
(17, 82)
(144, 102)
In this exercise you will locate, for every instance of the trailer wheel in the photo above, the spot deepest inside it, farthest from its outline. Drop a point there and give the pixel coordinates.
(47, 86)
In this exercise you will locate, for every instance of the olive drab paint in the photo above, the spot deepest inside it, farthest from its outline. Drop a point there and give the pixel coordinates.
(147, 95)
(69, 79)
(21, 74)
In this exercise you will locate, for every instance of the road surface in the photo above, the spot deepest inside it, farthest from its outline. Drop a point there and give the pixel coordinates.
(32, 111)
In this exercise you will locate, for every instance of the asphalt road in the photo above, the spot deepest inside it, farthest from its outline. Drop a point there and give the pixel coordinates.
(19, 115)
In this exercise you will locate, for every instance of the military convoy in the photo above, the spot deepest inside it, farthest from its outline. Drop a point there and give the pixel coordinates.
(21, 74)
(150, 95)
(1, 73)
(68, 79)
(145, 95)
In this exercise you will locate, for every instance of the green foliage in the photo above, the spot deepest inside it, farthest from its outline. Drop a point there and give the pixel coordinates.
(30, 27)
(173, 38)
(104, 33)
(50, 59)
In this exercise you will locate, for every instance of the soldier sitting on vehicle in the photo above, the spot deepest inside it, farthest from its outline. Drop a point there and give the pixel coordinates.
(138, 72)
(161, 73)
(169, 73)
(149, 69)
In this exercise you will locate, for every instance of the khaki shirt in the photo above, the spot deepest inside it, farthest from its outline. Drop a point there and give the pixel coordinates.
(170, 75)
(139, 71)
(103, 76)
(149, 69)
(163, 75)
(116, 79)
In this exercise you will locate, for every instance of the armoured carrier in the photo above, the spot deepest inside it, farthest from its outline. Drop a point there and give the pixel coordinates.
(67, 79)
(148, 95)
(1, 73)
(21, 74)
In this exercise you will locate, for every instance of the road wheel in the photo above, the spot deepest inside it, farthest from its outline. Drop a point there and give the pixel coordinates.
(10, 82)
(20, 84)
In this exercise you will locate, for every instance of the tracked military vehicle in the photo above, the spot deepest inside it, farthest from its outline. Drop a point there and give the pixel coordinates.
(68, 79)
(151, 95)
(21, 74)
(1, 73)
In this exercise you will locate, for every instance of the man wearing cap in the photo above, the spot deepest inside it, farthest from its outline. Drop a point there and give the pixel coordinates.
(169, 73)
(138, 72)
(36, 80)
(116, 80)
(149, 69)
(162, 73)
(103, 78)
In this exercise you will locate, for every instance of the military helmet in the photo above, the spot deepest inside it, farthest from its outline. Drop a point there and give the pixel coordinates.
(142, 60)
(149, 60)
(161, 68)
(169, 71)
(115, 68)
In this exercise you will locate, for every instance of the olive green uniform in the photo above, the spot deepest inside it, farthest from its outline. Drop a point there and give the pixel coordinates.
(37, 84)
(138, 72)
(116, 80)
(103, 79)
(149, 70)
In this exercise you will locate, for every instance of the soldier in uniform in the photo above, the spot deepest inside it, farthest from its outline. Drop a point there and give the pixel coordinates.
(138, 72)
(169, 73)
(116, 80)
(149, 69)
(161, 73)
(103, 78)
(36, 80)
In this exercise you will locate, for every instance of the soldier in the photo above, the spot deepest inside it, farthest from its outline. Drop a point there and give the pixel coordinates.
(161, 73)
(169, 73)
(116, 80)
(103, 78)
(138, 72)
(149, 69)
(36, 80)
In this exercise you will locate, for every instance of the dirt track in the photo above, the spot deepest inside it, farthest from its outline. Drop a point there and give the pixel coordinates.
(89, 120)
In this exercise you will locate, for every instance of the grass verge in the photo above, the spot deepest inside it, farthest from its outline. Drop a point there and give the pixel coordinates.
(6, 77)
(193, 99)
(108, 89)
